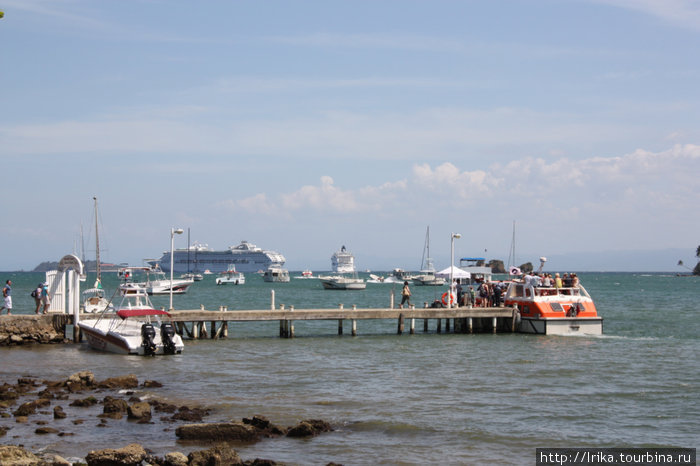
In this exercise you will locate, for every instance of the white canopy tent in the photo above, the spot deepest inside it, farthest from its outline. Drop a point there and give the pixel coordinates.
(456, 273)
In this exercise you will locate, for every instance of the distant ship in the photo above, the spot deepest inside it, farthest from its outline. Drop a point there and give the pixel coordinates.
(246, 257)
(343, 261)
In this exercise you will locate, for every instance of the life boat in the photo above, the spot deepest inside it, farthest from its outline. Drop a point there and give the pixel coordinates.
(554, 311)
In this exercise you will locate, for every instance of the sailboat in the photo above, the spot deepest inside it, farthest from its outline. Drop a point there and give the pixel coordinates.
(427, 270)
(94, 298)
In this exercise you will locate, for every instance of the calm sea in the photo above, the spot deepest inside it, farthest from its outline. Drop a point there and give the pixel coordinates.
(412, 399)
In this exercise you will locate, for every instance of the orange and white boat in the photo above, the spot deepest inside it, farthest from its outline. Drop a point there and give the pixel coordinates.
(554, 311)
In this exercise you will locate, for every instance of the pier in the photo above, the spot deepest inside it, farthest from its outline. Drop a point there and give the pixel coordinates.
(203, 324)
(198, 324)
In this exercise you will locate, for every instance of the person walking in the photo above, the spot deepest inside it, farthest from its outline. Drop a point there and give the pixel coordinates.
(405, 295)
(45, 298)
(36, 294)
(7, 295)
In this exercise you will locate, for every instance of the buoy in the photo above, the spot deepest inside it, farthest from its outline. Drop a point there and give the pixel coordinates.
(445, 296)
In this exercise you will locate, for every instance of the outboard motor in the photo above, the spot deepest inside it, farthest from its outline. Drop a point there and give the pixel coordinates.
(148, 333)
(167, 332)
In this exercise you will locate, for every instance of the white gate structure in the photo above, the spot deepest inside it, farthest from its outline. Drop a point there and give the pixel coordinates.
(64, 286)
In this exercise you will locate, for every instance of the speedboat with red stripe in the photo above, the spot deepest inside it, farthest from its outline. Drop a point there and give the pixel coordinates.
(135, 328)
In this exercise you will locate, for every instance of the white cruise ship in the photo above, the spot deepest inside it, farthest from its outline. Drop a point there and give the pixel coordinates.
(343, 261)
(246, 257)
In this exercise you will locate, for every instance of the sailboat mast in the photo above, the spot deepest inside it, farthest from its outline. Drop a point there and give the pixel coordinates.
(511, 254)
(426, 249)
(97, 243)
(427, 243)
(82, 243)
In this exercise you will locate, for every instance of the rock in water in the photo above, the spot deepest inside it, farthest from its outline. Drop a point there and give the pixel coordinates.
(217, 431)
(130, 455)
(11, 454)
(220, 454)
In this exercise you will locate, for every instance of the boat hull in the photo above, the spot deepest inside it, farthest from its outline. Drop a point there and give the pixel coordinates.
(562, 326)
(276, 279)
(124, 339)
(343, 285)
(428, 281)
(230, 280)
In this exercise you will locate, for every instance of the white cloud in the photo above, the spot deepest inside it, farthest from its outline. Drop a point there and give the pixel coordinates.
(447, 180)
(326, 197)
(256, 204)
(684, 12)
(639, 180)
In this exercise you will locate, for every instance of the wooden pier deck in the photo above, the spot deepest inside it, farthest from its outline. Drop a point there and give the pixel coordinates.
(193, 323)
(200, 323)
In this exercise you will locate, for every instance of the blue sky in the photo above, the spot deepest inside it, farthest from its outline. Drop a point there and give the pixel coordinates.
(302, 126)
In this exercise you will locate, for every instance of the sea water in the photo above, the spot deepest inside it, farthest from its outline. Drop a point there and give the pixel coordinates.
(412, 399)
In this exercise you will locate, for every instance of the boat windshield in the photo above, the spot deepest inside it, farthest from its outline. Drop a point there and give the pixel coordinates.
(126, 313)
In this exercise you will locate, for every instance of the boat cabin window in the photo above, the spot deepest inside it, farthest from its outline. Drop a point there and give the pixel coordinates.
(516, 291)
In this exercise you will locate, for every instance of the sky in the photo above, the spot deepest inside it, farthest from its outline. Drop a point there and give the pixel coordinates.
(307, 125)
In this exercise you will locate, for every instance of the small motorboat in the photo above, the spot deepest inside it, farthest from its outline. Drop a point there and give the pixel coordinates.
(135, 328)
(197, 277)
(230, 276)
(94, 301)
(306, 274)
(341, 282)
(155, 282)
(276, 274)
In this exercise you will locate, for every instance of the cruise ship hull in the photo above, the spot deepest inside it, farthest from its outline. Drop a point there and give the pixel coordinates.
(246, 258)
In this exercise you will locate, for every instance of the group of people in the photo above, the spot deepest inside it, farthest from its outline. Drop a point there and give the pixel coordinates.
(40, 294)
(568, 280)
(485, 295)
(41, 297)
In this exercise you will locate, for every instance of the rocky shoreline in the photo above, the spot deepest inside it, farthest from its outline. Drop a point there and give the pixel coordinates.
(25, 329)
(29, 398)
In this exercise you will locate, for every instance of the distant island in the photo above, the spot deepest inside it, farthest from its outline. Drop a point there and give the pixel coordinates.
(90, 266)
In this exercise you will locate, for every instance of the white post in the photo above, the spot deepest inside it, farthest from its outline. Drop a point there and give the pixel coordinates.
(452, 266)
(272, 300)
(75, 291)
(173, 231)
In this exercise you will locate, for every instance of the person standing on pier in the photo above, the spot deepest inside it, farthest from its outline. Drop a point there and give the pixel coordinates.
(45, 298)
(7, 295)
(405, 295)
(36, 294)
